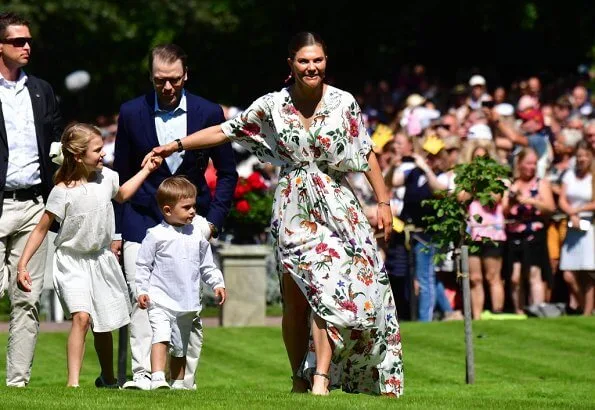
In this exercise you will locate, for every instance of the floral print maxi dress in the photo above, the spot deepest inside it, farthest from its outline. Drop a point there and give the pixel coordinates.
(321, 236)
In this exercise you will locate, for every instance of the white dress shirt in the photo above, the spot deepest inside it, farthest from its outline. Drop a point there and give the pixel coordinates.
(23, 153)
(171, 263)
(171, 125)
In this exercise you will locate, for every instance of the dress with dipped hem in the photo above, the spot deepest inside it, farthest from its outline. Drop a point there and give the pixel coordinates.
(322, 237)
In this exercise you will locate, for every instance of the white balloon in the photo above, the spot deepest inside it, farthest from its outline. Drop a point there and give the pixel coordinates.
(77, 80)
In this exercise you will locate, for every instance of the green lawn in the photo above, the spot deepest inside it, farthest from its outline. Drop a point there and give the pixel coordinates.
(545, 363)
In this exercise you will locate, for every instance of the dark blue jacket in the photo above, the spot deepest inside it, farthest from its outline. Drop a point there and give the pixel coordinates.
(137, 136)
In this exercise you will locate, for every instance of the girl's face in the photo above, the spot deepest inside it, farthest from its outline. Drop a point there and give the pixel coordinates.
(584, 158)
(403, 147)
(528, 166)
(92, 159)
(308, 66)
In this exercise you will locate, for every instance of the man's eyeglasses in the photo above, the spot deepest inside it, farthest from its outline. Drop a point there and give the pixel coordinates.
(17, 41)
(160, 82)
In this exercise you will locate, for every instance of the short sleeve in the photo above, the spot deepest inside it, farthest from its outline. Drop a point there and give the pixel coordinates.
(114, 180)
(57, 202)
(253, 129)
(352, 144)
(447, 179)
(568, 178)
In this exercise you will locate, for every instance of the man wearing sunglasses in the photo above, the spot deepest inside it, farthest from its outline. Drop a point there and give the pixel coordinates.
(166, 114)
(29, 122)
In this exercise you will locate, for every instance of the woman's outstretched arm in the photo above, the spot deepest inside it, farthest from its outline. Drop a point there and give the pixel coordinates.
(205, 138)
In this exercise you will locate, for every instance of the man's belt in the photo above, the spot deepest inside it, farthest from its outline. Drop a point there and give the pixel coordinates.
(25, 194)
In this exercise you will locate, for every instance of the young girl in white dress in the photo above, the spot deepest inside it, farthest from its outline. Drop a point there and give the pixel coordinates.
(87, 276)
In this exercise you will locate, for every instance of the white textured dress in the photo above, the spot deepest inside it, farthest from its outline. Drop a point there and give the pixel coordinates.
(87, 275)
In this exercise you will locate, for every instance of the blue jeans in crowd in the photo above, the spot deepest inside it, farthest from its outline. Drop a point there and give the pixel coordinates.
(431, 290)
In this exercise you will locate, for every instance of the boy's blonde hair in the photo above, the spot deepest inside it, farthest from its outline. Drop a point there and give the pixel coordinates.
(75, 140)
(172, 189)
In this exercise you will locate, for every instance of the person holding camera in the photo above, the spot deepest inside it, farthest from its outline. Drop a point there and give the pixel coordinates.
(528, 202)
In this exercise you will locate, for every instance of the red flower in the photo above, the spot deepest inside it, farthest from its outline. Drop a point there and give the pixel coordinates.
(333, 253)
(318, 181)
(256, 181)
(321, 247)
(242, 188)
(243, 206)
(251, 129)
(353, 126)
(349, 305)
(353, 215)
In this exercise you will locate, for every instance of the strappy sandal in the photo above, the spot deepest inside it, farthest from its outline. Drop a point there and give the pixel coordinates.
(326, 376)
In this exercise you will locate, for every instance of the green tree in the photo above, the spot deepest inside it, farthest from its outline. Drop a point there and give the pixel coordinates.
(482, 180)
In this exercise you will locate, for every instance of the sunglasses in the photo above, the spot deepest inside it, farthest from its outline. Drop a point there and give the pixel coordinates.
(17, 41)
(160, 82)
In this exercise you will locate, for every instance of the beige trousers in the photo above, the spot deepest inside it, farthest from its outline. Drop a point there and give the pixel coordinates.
(140, 328)
(16, 223)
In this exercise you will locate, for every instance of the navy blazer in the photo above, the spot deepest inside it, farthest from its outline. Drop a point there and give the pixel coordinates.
(137, 136)
(48, 128)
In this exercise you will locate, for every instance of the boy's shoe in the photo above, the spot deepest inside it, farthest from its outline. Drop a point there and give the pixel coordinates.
(178, 386)
(159, 384)
(141, 383)
(102, 384)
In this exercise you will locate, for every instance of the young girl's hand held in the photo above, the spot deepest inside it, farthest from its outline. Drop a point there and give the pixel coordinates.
(153, 163)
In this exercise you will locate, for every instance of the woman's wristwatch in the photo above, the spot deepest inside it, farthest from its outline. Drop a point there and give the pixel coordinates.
(180, 146)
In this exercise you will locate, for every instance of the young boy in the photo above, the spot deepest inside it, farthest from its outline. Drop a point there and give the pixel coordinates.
(174, 257)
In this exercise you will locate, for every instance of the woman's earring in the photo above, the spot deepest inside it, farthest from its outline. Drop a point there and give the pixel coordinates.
(288, 78)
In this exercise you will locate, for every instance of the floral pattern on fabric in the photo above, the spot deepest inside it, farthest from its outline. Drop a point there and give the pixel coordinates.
(321, 235)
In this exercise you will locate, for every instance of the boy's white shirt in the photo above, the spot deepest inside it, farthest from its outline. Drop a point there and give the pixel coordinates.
(171, 263)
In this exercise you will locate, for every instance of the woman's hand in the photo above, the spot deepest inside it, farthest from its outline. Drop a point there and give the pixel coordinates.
(162, 151)
(420, 162)
(385, 220)
(575, 221)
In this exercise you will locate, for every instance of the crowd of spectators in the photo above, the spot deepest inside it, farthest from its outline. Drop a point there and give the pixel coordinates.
(539, 259)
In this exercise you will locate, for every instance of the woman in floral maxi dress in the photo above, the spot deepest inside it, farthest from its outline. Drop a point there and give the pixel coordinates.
(322, 239)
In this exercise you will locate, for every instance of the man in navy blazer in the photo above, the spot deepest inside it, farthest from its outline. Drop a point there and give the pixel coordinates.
(166, 114)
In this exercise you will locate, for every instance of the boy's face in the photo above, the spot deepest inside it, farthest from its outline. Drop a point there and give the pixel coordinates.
(182, 213)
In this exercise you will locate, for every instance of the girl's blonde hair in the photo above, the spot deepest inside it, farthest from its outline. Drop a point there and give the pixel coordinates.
(471, 146)
(75, 140)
